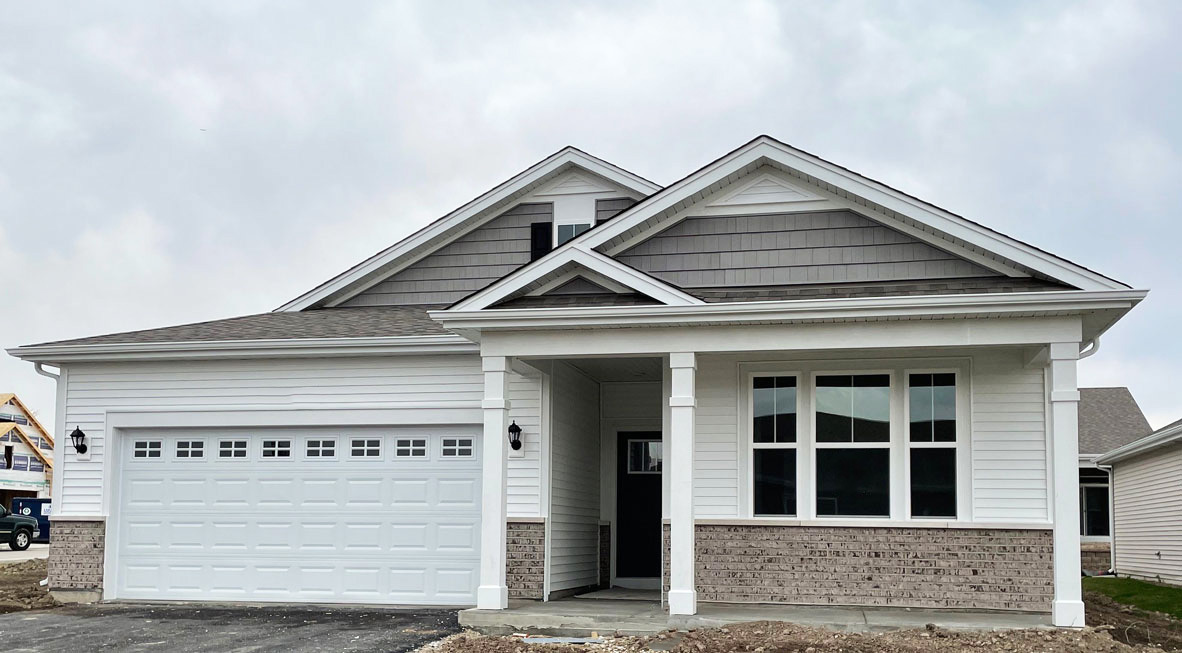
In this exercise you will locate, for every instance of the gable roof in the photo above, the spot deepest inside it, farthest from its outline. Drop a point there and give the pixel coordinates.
(1166, 436)
(1109, 418)
(33, 421)
(463, 218)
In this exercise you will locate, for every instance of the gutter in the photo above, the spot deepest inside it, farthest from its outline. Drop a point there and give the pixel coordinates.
(215, 349)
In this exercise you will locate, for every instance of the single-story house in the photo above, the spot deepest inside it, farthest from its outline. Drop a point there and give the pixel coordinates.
(774, 380)
(26, 465)
(1108, 418)
(1147, 507)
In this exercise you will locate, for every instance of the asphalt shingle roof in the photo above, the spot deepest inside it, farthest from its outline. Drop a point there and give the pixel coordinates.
(360, 322)
(1109, 418)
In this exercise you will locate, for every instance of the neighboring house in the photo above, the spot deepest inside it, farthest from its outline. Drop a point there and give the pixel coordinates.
(1108, 418)
(1147, 515)
(26, 469)
(774, 380)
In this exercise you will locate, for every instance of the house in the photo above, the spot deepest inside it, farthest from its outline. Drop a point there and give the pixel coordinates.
(27, 467)
(774, 380)
(1147, 507)
(1108, 418)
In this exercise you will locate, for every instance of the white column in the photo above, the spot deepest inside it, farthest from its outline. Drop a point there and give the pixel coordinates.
(683, 598)
(493, 594)
(1067, 610)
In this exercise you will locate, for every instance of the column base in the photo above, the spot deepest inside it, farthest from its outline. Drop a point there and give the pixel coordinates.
(683, 602)
(492, 597)
(1067, 614)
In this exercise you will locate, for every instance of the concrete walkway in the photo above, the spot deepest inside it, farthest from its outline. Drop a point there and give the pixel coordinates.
(580, 617)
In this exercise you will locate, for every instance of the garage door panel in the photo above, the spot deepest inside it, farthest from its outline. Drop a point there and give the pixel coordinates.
(388, 530)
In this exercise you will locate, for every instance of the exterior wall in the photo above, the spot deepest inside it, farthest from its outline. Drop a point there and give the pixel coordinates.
(790, 248)
(464, 265)
(1007, 425)
(574, 498)
(452, 383)
(76, 556)
(607, 209)
(1148, 516)
(994, 569)
(525, 563)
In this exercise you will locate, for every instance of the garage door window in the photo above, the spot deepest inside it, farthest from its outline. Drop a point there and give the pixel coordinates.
(410, 448)
(365, 448)
(457, 447)
(146, 449)
(232, 449)
(322, 448)
(276, 448)
(190, 449)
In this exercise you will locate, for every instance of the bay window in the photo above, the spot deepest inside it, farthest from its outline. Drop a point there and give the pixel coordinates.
(852, 445)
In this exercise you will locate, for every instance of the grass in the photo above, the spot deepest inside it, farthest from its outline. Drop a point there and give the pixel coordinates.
(1139, 594)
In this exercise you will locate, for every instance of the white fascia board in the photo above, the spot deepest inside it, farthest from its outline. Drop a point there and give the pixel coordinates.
(889, 198)
(1152, 441)
(589, 259)
(844, 309)
(214, 349)
(376, 263)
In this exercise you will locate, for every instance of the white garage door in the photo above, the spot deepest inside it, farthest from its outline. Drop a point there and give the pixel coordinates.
(369, 516)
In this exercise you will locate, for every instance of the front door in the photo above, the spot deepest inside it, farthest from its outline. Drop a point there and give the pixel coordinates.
(638, 504)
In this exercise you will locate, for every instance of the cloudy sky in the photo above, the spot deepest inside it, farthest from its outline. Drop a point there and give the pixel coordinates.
(170, 162)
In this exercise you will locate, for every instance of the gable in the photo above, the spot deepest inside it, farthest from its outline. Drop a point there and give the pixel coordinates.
(578, 291)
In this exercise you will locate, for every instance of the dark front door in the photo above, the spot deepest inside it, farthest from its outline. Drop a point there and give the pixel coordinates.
(638, 504)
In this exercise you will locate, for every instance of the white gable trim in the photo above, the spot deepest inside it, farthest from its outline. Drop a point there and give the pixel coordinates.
(766, 149)
(380, 263)
(766, 188)
(563, 279)
(589, 260)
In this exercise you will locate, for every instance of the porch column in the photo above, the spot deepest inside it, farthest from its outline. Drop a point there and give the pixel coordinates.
(493, 594)
(1067, 608)
(683, 597)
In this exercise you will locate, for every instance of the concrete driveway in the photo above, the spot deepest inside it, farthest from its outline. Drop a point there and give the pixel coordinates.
(34, 551)
(191, 627)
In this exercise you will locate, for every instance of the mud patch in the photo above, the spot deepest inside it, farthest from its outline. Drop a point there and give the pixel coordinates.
(20, 587)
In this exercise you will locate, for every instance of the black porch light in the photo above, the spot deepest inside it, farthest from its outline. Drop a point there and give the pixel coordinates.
(515, 436)
(79, 440)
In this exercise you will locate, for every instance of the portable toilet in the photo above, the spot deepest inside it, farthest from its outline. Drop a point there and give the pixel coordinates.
(38, 509)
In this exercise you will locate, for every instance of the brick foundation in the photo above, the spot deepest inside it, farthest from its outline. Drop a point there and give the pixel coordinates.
(525, 564)
(966, 568)
(605, 556)
(76, 556)
(1095, 557)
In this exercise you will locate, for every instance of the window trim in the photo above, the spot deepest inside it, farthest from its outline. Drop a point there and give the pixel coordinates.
(890, 444)
(176, 449)
(160, 450)
(1082, 508)
(277, 439)
(426, 448)
(336, 447)
(628, 455)
(806, 436)
(365, 448)
(752, 445)
(246, 456)
(471, 447)
(964, 468)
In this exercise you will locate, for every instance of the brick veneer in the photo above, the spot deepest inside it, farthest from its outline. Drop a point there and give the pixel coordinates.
(1096, 557)
(995, 569)
(526, 557)
(76, 555)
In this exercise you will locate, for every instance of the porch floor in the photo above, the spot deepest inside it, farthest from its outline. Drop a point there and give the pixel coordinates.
(579, 617)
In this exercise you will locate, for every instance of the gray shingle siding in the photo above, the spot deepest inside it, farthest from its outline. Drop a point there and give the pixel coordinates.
(463, 266)
(607, 209)
(791, 248)
(972, 285)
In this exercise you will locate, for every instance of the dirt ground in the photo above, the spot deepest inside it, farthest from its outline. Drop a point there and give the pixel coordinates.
(1116, 629)
(20, 587)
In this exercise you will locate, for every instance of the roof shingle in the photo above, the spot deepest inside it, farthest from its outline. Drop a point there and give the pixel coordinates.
(1109, 418)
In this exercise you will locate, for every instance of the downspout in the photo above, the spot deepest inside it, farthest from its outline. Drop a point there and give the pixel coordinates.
(41, 370)
(1111, 516)
(1095, 347)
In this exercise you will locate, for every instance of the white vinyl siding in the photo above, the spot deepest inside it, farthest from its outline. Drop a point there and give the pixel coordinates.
(451, 382)
(1148, 516)
(1007, 435)
(574, 499)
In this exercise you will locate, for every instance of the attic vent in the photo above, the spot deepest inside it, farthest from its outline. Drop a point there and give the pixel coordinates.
(540, 239)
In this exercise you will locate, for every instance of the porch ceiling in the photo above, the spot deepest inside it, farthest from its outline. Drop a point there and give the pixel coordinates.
(613, 370)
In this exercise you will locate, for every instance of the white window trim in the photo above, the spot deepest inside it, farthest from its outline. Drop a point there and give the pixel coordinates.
(964, 467)
(218, 449)
(471, 446)
(806, 435)
(134, 458)
(175, 449)
(395, 447)
(336, 447)
(365, 440)
(292, 442)
(628, 453)
(752, 445)
(1108, 493)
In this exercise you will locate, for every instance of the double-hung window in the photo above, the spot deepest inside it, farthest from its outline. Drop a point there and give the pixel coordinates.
(773, 445)
(931, 406)
(852, 451)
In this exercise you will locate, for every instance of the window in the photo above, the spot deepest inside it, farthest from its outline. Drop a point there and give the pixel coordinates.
(853, 433)
(410, 448)
(644, 457)
(366, 448)
(569, 231)
(453, 447)
(190, 449)
(146, 449)
(1093, 503)
(931, 404)
(322, 448)
(541, 236)
(276, 448)
(232, 449)
(773, 445)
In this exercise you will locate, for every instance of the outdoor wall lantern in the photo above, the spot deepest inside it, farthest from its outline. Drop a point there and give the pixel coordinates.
(515, 436)
(79, 440)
